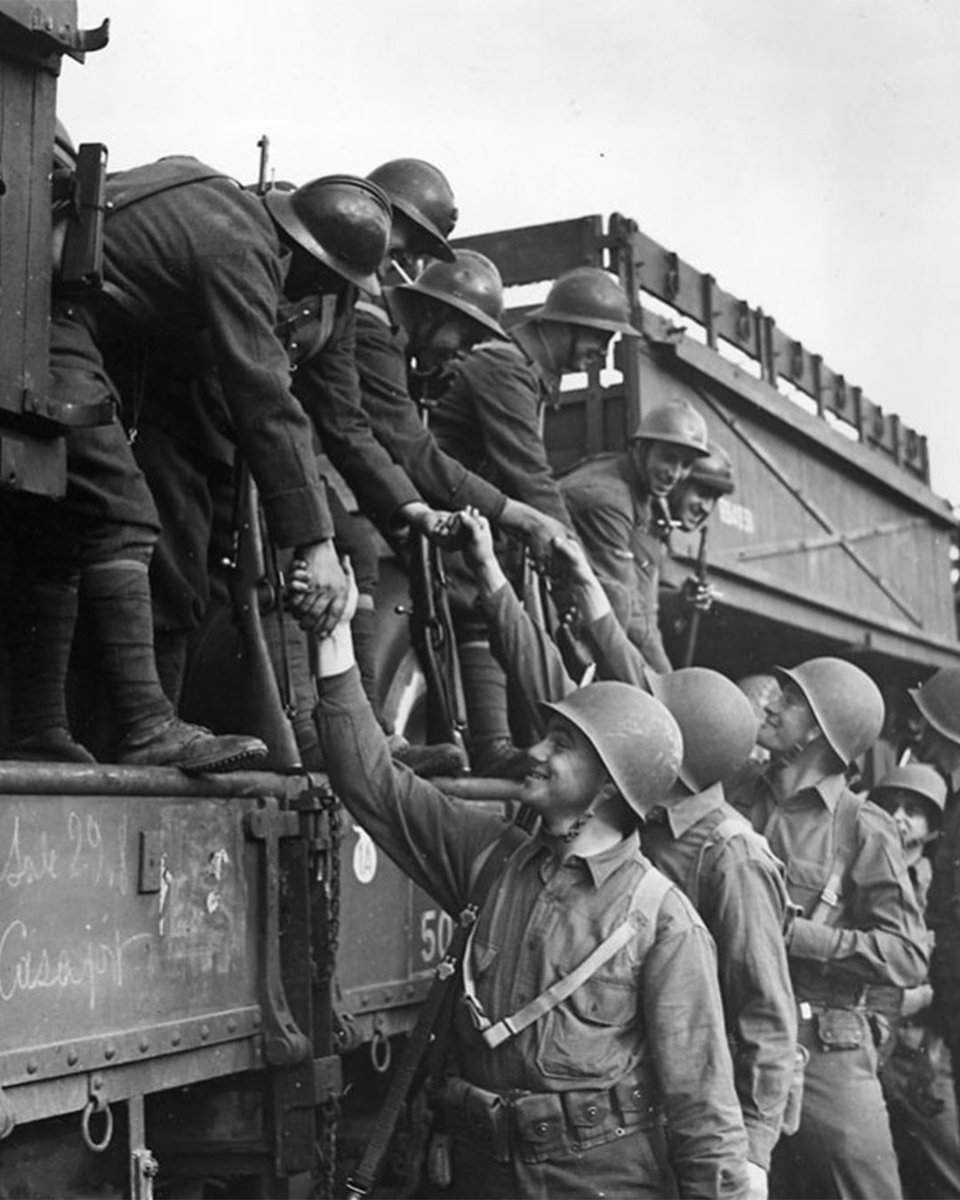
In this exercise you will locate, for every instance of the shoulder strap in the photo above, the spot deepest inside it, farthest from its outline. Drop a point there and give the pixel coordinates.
(845, 817)
(728, 826)
(641, 918)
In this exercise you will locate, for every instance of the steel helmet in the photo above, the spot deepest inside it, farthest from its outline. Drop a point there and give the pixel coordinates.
(715, 471)
(677, 422)
(635, 736)
(716, 719)
(917, 778)
(342, 220)
(939, 702)
(421, 192)
(845, 702)
(471, 284)
(759, 690)
(587, 296)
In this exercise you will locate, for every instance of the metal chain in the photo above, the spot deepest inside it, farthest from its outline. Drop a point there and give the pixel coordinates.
(326, 1147)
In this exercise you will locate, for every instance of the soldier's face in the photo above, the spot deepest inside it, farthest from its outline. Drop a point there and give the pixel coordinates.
(939, 751)
(436, 344)
(911, 817)
(565, 774)
(588, 348)
(693, 505)
(665, 465)
(788, 721)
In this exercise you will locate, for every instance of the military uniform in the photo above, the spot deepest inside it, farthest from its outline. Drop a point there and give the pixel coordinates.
(614, 519)
(728, 874)
(843, 969)
(489, 418)
(943, 918)
(382, 364)
(623, 1089)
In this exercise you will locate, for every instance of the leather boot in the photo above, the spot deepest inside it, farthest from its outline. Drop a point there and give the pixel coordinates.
(117, 597)
(41, 616)
(492, 749)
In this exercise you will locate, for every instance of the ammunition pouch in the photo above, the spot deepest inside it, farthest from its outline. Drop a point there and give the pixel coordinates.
(539, 1126)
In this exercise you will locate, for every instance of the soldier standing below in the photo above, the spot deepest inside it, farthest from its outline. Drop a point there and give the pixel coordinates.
(490, 418)
(624, 1088)
(695, 838)
(938, 701)
(618, 506)
(858, 936)
(917, 1077)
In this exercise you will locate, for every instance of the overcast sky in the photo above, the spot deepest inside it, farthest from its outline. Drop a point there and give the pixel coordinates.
(805, 152)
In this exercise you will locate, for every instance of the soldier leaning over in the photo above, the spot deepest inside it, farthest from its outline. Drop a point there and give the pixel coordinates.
(490, 418)
(624, 1087)
(616, 502)
(695, 838)
(261, 308)
(858, 936)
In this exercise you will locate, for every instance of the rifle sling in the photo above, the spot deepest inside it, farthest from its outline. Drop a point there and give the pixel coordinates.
(494, 859)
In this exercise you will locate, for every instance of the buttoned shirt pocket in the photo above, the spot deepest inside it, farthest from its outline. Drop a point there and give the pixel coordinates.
(805, 882)
(589, 1033)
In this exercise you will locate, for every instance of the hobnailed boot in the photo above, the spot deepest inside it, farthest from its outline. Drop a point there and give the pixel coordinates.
(41, 617)
(492, 750)
(117, 595)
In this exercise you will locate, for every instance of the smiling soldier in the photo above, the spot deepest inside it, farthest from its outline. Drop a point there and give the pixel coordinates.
(615, 501)
(618, 1081)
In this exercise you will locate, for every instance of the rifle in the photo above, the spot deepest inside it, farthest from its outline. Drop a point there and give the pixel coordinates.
(701, 576)
(433, 637)
(263, 185)
(248, 574)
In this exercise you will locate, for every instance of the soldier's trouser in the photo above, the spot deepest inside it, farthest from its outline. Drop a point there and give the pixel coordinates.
(635, 1166)
(918, 1084)
(843, 1147)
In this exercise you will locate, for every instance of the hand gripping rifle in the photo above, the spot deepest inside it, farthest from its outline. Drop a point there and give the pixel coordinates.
(701, 576)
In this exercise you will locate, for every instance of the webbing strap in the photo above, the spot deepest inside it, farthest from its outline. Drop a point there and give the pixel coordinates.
(495, 856)
(845, 817)
(644, 907)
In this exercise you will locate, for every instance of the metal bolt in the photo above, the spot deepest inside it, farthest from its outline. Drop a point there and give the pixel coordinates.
(33, 1067)
(144, 1045)
(109, 1050)
(72, 1057)
(204, 1032)
(176, 1038)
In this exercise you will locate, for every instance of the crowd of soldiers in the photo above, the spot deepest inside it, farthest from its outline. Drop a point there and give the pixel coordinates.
(707, 963)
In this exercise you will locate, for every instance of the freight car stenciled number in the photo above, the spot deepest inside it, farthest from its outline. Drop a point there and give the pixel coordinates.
(436, 930)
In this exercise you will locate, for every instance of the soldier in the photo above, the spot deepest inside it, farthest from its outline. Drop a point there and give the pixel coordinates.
(489, 417)
(858, 936)
(917, 1077)
(691, 505)
(262, 326)
(617, 505)
(695, 838)
(938, 702)
(457, 302)
(98, 542)
(624, 1087)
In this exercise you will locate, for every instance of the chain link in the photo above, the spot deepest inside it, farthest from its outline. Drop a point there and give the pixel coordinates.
(324, 1174)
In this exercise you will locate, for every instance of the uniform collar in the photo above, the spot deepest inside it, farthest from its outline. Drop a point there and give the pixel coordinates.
(681, 815)
(828, 789)
(598, 866)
